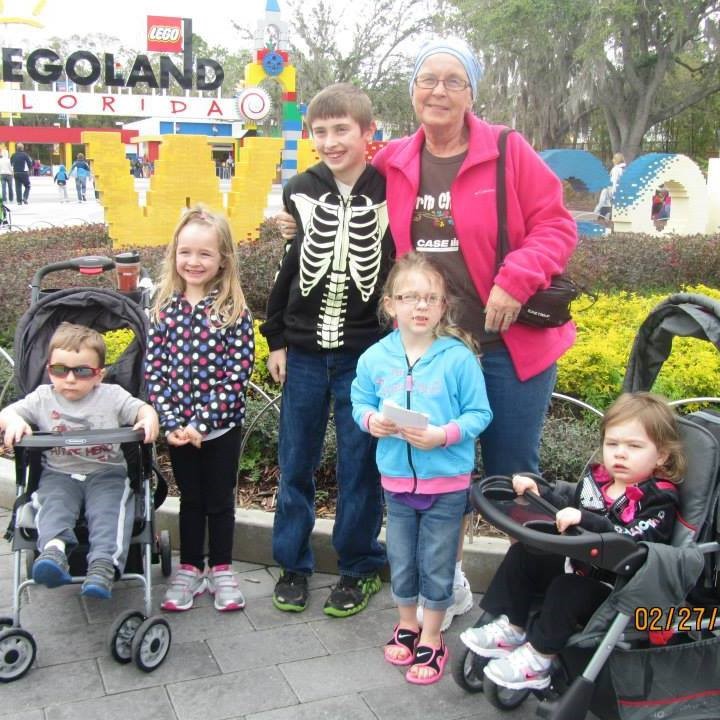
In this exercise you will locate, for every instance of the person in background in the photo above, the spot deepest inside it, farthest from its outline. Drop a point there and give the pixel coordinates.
(22, 165)
(61, 179)
(80, 170)
(6, 176)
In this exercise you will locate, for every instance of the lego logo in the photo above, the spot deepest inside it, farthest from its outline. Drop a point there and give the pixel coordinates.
(163, 33)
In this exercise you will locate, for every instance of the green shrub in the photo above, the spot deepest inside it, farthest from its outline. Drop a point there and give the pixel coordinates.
(593, 369)
(645, 263)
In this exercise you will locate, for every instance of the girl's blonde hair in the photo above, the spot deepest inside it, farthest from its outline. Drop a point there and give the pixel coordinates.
(660, 423)
(229, 303)
(419, 262)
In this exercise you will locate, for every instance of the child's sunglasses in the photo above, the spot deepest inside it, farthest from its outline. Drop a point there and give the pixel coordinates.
(81, 372)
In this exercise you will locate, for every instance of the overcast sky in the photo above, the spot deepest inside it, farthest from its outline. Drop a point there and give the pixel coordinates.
(127, 20)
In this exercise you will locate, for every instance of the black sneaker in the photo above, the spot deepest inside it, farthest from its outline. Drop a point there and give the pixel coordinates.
(351, 595)
(291, 592)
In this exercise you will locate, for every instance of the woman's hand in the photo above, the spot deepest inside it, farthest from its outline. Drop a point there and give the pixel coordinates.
(501, 310)
(522, 484)
(426, 439)
(379, 426)
(286, 223)
(567, 517)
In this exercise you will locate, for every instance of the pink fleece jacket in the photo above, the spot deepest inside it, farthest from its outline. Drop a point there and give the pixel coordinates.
(542, 233)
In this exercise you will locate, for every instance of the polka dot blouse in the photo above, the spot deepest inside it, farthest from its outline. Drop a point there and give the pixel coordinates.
(197, 373)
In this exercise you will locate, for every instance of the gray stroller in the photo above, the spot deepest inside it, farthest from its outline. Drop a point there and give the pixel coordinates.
(135, 636)
(666, 594)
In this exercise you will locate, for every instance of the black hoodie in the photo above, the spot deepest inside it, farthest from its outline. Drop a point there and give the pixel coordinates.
(331, 277)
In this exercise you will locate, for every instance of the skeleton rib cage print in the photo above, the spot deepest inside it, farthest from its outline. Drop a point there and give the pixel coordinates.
(342, 245)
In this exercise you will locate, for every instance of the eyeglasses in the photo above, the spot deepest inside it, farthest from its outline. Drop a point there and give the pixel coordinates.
(81, 372)
(453, 83)
(413, 298)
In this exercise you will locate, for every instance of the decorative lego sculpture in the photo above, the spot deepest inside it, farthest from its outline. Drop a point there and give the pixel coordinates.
(679, 175)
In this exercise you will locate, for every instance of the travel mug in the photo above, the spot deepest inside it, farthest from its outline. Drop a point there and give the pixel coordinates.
(127, 266)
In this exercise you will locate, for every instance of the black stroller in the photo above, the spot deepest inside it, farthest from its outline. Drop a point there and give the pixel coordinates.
(134, 636)
(611, 667)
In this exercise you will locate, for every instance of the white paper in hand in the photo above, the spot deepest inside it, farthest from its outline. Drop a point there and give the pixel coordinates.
(402, 417)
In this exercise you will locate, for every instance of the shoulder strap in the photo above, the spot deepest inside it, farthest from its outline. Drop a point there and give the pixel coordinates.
(501, 200)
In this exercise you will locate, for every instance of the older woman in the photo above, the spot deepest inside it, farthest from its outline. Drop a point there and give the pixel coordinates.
(441, 200)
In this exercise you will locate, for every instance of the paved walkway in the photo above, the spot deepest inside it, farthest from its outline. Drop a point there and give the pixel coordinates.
(260, 664)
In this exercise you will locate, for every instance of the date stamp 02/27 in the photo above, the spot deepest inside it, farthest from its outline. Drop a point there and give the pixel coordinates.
(682, 619)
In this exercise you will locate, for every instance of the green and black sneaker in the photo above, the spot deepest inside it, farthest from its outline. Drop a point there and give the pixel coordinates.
(291, 592)
(351, 595)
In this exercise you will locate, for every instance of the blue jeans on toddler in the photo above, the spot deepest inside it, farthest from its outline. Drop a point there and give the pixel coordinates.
(511, 443)
(421, 546)
(313, 382)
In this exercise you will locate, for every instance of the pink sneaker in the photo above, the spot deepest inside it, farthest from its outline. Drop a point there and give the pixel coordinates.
(185, 586)
(222, 584)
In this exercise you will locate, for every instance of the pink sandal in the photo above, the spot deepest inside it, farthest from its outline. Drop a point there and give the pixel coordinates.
(402, 637)
(427, 656)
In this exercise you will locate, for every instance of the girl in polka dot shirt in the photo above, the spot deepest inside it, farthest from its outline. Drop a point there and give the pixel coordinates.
(199, 361)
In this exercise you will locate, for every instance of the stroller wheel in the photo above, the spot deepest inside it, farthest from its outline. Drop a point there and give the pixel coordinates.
(151, 643)
(501, 697)
(165, 547)
(121, 635)
(467, 670)
(17, 653)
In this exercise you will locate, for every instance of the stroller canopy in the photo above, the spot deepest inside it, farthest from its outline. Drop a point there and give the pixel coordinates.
(98, 308)
(682, 315)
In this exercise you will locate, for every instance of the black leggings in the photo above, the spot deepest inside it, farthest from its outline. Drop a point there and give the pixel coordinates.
(206, 478)
(568, 600)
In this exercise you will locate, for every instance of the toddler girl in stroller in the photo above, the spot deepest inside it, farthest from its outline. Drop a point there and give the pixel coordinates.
(632, 493)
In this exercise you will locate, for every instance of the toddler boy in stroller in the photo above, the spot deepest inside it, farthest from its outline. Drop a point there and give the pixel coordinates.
(93, 477)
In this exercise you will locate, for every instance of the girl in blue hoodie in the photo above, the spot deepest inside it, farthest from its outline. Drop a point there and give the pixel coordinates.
(427, 365)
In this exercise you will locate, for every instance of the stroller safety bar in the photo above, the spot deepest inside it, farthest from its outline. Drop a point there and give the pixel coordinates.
(531, 520)
(77, 438)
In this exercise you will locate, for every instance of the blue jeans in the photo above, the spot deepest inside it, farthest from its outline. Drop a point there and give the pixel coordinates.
(422, 545)
(80, 187)
(314, 382)
(511, 443)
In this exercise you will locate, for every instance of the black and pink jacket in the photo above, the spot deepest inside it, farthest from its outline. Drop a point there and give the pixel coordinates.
(646, 511)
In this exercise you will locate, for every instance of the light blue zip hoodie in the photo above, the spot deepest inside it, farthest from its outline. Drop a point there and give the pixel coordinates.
(447, 384)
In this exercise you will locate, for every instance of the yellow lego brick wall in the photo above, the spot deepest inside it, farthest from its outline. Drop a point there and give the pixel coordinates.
(255, 169)
(184, 176)
(307, 155)
(115, 185)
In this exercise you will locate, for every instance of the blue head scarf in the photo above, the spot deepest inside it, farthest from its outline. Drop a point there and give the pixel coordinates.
(458, 49)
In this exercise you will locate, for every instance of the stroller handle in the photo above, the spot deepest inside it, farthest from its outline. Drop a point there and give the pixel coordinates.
(86, 265)
(80, 438)
(531, 520)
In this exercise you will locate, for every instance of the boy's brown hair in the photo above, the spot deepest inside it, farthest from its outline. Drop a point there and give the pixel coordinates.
(660, 423)
(339, 100)
(75, 338)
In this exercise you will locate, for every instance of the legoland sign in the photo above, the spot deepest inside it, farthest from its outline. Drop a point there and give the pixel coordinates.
(83, 68)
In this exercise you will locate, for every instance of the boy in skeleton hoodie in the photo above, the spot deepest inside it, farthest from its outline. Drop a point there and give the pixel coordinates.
(321, 316)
